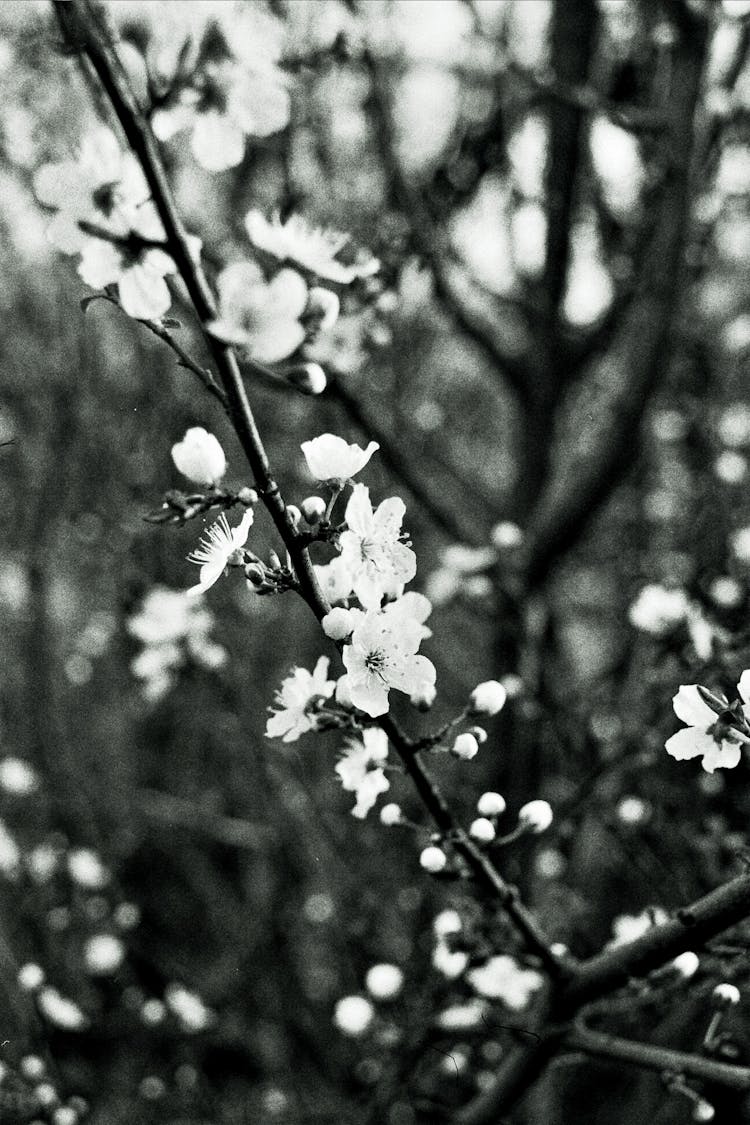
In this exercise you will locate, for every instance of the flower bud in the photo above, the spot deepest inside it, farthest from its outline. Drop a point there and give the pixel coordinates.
(65, 1115)
(338, 624)
(254, 574)
(384, 982)
(295, 515)
(247, 496)
(491, 804)
(687, 964)
(353, 1015)
(725, 995)
(433, 859)
(465, 747)
(536, 816)
(323, 306)
(482, 830)
(30, 977)
(391, 814)
(506, 535)
(313, 509)
(199, 457)
(480, 734)
(424, 697)
(447, 922)
(488, 698)
(309, 378)
(703, 1111)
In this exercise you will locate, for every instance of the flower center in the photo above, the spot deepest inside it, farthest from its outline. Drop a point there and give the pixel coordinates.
(375, 663)
(104, 198)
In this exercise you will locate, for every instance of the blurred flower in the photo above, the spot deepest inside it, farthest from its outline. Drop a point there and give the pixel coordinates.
(382, 655)
(18, 777)
(297, 696)
(138, 273)
(86, 868)
(353, 1015)
(216, 549)
(262, 317)
(10, 853)
(371, 548)
(60, 1011)
(103, 954)
(447, 922)
(633, 810)
(740, 544)
(433, 859)
(725, 592)
(330, 458)
(502, 978)
(482, 830)
(391, 814)
(463, 1017)
(188, 1007)
(30, 977)
(200, 457)
(705, 736)
(312, 248)
(506, 535)
(488, 698)
(629, 927)
(730, 467)
(465, 747)
(658, 610)
(733, 426)
(384, 982)
(361, 769)
(333, 578)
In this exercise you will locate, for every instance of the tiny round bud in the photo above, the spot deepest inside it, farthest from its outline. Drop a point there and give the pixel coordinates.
(687, 964)
(353, 1015)
(424, 697)
(536, 816)
(480, 734)
(703, 1111)
(391, 814)
(433, 859)
(725, 995)
(482, 830)
(506, 535)
(65, 1115)
(247, 496)
(313, 509)
(559, 949)
(488, 698)
(465, 747)
(338, 624)
(491, 804)
(103, 954)
(32, 1067)
(45, 1094)
(30, 977)
(309, 378)
(295, 515)
(384, 982)
(447, 922)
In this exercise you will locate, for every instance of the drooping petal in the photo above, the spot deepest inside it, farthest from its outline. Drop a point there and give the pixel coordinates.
(689, 743)
(725, 756)
(359, 514)
(690, 706)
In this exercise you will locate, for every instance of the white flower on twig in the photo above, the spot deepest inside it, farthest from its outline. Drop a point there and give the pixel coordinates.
(361, 769)
(262, 317)
(382, 655)
(216, 549)
(299, 691)
(707, 734)
(378, 562)
(330, 458)
(313, 248)
(199, 456)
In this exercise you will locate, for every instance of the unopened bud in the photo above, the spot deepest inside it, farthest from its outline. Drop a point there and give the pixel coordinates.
(491, 804)
(295, 515)
(465, 747)
(338, 623)
(488, 698)
(391, 814)
(254, 574)
(687, 964)
(536, 816)
(725, 995)
(309, 378)
(274, 561)
(433, 859)
(199, 457)
(482, 830)
(506, 535)
(313, 509)
(30, 977)
(480, 734)
(247, 496)
(703, 1111)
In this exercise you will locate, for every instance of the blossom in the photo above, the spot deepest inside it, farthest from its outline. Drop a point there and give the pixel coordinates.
(333, 579)
(378, 562)
(262, 317)
(17, 776)
(330, 458)
(103, 186)
(103, 954)
(312, 248)
(658, 610)
(296, 698)
(361, 771)
(86, 868)
(216, 549)
(139, 273)
(382, 655)
(502, 978)
(353, 1015)
(717, 742)
(384, 982)
(199, 457)
(229, 101)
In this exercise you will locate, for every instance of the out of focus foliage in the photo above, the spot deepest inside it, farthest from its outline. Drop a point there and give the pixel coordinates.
(241, 899)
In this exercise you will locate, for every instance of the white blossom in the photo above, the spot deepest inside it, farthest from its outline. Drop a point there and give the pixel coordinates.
(260, 316)
(216, 549)
(726, 995)
(391, 814)
(384, 982)
(353, 1015)
(658, 610)
(18, 777)
(719, 745)
(506, 535)
(463, 1017)
(103, 954)
(330, 458)
(296, 698)
(371, 549)
(382, 655)
(30, 977)
(361, 769)
(502, 978)
(188, 1007)
(313, 248)
(200, 457)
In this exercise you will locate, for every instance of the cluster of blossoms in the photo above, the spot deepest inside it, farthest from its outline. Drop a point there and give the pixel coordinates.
(465, 570)
(664, 612)
(172, 631)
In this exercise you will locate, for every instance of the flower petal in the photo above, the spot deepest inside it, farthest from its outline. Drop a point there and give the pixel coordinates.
(725, 756)
(692, 708)
(689, 743)
(218, 142)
